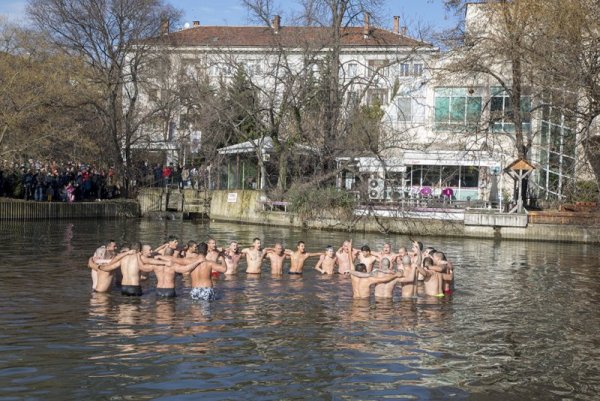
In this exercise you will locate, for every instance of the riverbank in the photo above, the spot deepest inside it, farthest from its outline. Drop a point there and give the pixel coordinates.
(251, 207)
(15, 209)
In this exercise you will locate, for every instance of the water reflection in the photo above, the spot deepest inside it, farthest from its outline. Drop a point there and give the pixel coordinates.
(521, 325)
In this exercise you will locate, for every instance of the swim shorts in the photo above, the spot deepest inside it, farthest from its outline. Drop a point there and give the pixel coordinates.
(295, 273)
(448, 292)
(165, 292)
(131, 290)
(203, 293)
(214, 274)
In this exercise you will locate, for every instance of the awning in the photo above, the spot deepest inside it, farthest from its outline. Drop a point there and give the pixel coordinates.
(265, 145)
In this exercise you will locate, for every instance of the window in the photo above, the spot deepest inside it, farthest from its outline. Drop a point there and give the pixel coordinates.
(377, 96)
(352, 98)
(352, 68)
(153, 95)
(456, 107)
(404, 108)
(404, 70)
(253, 67)
(417, 70)
(501, 113)
(220, 70)
(378, 67)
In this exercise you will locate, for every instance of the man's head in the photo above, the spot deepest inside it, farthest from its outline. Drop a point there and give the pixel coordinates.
(429, 251)
(146, 250)
(202, 248)
(212, 244)
(365, 250)
(346, 246)
(439, 257)
(401, 251)
(256, 243)
(301, 246)
(406, 261)
(169, 251)
(234, 247)
(385, 264)
(361, 268)
(387, 248)
(278, 248)
(136, 246)
(173, 241)
(111, 245)
(329, 251)
(428, 262)
(191, 246)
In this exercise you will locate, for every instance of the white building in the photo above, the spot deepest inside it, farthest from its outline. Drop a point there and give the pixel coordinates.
(445, 132)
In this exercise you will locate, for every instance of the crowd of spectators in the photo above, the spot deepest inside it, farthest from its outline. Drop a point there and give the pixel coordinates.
(74, 181)
(182, 176)
(52, 182)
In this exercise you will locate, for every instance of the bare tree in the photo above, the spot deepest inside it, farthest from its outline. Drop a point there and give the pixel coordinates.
(40, 91)
(110, 37)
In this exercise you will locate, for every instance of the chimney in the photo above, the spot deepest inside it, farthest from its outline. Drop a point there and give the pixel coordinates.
(276, 23)
(195, 24)
(164, 26)
(366, 28)
(396, 24)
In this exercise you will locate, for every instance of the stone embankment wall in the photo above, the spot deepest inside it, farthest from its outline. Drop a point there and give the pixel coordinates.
(184, 201)
(14, 209)
(250, 207)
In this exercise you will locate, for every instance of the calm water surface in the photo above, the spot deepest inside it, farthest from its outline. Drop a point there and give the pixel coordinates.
(522, 325)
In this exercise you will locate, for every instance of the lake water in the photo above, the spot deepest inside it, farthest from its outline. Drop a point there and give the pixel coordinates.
(522, 325)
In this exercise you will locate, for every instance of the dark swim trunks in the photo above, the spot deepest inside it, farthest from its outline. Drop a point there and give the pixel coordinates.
(165, 292)
(295, 273)
(448, 292)
(131, 290)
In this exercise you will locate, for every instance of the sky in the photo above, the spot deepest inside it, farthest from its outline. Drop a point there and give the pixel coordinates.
(414, 13)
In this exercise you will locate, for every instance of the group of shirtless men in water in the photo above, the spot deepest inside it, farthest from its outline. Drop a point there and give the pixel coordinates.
(204, 261)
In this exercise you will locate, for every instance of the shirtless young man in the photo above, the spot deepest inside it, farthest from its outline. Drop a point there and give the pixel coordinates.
(385, 254)
(298, 257)
(202, 285)
(254, 257)
(409, 276)
(365, 257)
(432, 280)
(344, 257)
(427, 252)
(327, 261)
(213, 254)
(442, 265)
(386, 290)
(276, 256)
(102, 255)
(401, 253)
(165, 273)
(104, 279)
(362, 281)
(232, 256)
(131, 266)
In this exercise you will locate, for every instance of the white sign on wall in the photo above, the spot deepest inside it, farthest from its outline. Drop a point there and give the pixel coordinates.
(232, 197)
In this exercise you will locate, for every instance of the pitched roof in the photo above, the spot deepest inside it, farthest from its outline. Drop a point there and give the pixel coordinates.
(287, 36)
